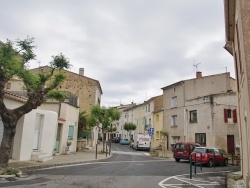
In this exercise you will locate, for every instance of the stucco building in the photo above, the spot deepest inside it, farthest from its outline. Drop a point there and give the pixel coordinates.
(202, 110)
(237, 27)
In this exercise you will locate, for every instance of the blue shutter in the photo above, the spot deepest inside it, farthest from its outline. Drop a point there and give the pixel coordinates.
(71, 132)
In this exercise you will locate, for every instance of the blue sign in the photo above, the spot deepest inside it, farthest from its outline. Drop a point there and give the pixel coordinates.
(151, 131)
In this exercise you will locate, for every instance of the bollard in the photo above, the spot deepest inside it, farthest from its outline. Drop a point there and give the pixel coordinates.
(222, 160)
(109, 146)
(95, 151)
(195, 163)
(106, 149)
(190, 167)
(201, 161)
(214, 161)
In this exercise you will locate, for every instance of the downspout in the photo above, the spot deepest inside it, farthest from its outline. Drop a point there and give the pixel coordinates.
(185, 129)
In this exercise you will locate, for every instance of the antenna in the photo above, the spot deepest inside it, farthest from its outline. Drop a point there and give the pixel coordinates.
(196, 66)
(224, 68)
(39, 62)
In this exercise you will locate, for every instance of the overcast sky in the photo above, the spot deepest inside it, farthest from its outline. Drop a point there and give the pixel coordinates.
(132, 47)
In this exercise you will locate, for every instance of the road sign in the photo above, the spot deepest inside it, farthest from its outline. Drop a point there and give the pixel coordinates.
(151, 131)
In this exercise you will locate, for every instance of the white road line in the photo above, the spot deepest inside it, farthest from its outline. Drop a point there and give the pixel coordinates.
(188, 181)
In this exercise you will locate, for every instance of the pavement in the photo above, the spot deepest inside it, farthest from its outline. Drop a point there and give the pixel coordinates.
(234, 180)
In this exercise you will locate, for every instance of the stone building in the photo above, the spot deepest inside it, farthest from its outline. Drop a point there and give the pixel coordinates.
(237, 26)
(202, 110)
(87, 90)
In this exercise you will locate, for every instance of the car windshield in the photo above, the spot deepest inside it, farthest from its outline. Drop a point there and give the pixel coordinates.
(125, 139)
(200, 150)
(180, 146)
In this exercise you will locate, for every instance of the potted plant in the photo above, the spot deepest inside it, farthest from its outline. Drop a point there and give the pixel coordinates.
(67, 150)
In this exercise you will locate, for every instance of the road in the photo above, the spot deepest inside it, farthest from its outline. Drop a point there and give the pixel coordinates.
(126, 168)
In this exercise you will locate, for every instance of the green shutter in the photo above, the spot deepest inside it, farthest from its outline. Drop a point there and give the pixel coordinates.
(71, 132)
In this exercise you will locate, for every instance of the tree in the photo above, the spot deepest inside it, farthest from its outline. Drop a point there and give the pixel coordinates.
(128, 126)
(82, 124)
(103, 117)
(14, 60)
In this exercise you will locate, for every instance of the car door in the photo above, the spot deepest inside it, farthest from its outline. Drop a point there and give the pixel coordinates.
(218, 156)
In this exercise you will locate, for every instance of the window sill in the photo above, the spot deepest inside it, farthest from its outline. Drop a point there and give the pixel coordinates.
(193, 122)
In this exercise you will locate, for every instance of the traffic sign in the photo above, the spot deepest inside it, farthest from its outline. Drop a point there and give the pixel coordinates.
(151, 131)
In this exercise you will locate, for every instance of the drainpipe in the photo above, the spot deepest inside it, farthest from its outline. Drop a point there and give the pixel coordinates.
(185, 128)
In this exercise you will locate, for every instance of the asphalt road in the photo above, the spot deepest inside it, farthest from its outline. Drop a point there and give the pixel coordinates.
(126, 168)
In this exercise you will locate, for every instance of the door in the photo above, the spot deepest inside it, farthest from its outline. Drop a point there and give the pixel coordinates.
(230, 144)
(58, 137)
(36, 139)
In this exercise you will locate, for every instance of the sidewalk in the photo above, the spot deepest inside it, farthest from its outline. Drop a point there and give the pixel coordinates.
(84, 156)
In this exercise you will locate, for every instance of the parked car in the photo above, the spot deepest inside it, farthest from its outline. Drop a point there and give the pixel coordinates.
(209, 156)
(124, 142)
(182, 150)
(116, 140)
(142, 142)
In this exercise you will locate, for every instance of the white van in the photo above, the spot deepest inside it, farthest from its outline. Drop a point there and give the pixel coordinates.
(142, 142)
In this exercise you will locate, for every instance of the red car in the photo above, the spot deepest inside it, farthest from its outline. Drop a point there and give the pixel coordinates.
(209, 156)
(182, 150)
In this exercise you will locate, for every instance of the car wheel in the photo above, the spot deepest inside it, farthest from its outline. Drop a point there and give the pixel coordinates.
(210, 163)
(177, 160)
(225, 162)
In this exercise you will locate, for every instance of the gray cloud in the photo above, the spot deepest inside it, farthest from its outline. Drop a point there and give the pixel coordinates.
(134, 48)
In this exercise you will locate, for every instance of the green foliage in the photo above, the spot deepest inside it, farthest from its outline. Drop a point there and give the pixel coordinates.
(165, 133)
(82, 124)
(58, 95)
(69, 143)
(59, 62)
(11, 171)
(102, 115)
(129, 126)
(113, 129)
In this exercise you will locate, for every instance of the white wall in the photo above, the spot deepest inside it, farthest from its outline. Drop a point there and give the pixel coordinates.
(23, 140)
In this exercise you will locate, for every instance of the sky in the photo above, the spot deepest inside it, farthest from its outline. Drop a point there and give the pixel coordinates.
(132, 47)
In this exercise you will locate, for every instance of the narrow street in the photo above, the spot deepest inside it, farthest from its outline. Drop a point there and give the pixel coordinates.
(126, 168)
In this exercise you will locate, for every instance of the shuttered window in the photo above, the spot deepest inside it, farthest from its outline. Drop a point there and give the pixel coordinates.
(230, 116)
(71, 132)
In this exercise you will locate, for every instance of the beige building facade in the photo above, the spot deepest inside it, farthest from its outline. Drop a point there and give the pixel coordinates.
(87, 90)
(202, 110)
(237, 27)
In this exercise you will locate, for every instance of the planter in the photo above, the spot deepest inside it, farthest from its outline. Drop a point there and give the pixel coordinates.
(67, 152)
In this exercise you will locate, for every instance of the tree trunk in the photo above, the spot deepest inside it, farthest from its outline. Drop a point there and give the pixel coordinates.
(8, 135)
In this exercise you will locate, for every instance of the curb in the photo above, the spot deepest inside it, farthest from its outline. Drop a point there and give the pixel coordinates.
(36, 167)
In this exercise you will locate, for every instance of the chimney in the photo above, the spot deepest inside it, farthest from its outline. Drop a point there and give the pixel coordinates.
(198, 74)
(81, 71)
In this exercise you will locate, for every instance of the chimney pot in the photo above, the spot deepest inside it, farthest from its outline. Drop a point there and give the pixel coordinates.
(198, 74)
(81, 71)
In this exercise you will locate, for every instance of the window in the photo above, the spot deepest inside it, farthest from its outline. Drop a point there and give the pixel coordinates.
(148, 107)
(230, 116)
(174, 102)
(174, 120)
(8, 85)
(71, 132)
(157, 118)
(193, 116)
(200, 138)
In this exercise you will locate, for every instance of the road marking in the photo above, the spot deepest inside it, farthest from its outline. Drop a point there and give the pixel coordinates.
(131, 153)
(184, 181)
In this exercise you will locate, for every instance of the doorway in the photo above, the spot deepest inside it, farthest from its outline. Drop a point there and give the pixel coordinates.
(230, 144)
